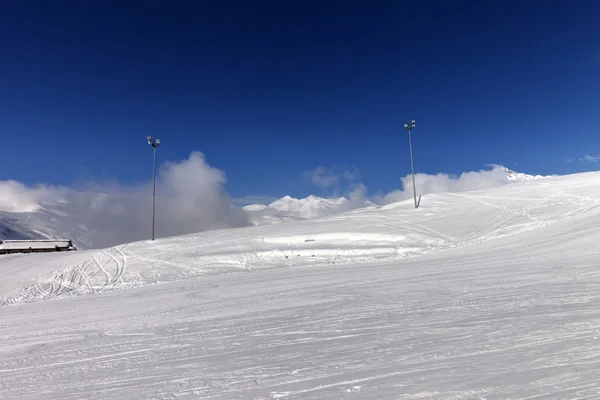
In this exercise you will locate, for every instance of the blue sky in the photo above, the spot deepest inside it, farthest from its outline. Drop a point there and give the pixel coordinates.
(269, 90)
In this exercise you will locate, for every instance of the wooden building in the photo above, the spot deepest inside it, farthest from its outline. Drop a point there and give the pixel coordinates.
(35, 246)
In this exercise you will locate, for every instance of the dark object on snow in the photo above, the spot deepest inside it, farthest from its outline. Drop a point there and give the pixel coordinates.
(35, 246)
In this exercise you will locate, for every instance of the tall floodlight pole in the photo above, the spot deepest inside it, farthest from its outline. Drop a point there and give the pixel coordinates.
(409, 127)
(154, 143)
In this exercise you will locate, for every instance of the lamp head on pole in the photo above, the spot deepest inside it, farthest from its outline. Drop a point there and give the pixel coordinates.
(409, 126)
(153, 142)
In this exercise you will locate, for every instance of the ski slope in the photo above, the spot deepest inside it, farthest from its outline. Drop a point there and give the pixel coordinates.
(492, 294)
(390, 232)
(93, 220)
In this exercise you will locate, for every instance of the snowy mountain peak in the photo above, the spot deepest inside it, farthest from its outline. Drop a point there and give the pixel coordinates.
(309, 207)
(292, 209)
(514, 176)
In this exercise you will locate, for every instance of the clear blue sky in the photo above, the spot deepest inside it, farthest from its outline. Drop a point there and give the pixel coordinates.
(270, 89)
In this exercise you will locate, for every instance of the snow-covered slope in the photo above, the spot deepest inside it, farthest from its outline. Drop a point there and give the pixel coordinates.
(481, 295)
(80, 222)
(288, 209)
(395, 231)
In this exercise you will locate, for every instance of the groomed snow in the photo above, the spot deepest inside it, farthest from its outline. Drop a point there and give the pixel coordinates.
(478, 295)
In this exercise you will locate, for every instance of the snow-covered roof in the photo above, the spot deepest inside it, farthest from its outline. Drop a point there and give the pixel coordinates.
(34, 244)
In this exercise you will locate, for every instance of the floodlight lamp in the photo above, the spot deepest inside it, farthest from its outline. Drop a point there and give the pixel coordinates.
(406, 125)
(413, 122)
(157, 142)
(149, 138)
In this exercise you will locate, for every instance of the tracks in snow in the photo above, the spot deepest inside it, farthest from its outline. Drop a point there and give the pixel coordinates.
(530, 215)
(102, 271)
(355, 238)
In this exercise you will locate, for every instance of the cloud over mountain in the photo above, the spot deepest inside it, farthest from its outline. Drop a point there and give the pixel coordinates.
(190, 197)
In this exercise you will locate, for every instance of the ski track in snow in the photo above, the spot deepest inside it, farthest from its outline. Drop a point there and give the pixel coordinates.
(76, 279)
(452, 327)
(511, 312)
(392, 232)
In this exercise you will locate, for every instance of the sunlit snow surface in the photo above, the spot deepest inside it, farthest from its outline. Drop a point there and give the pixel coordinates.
(480, 295)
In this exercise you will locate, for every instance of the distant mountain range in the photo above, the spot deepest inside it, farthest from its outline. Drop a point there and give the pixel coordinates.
(291, 209)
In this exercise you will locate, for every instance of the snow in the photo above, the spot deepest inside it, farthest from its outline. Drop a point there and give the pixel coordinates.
(95, 219)
(308, 207)
(518, 176)
(50, 222)
(255, 207)
(490, 294)
(290, 209)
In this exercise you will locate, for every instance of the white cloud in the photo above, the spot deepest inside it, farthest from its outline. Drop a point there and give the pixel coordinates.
(190, 197)
(350, 174)
(339, 180)
(16, 197)
(324, 178)
(333, 178)
(357, 197)
(442, 183)
(590, 158)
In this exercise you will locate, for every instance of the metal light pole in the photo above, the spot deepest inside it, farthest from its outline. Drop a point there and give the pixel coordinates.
(154, 143)
(409, 128)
